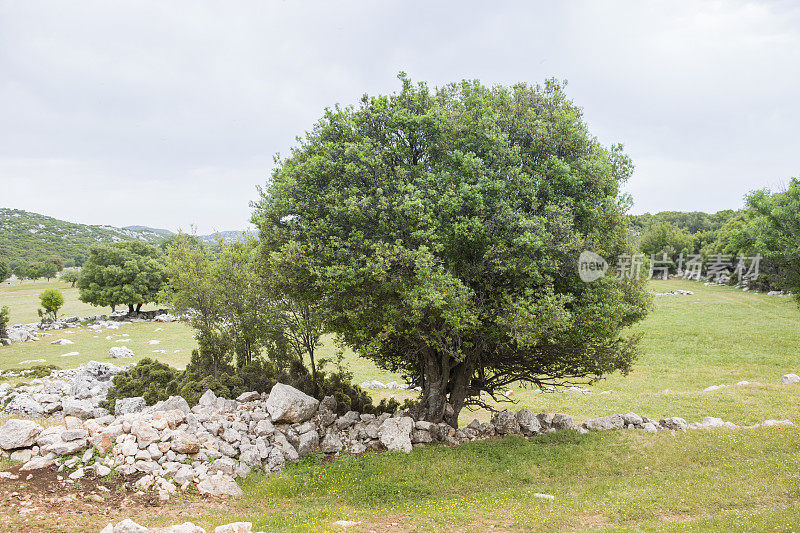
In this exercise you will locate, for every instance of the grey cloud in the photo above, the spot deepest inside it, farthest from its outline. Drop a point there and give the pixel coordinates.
(168, 113)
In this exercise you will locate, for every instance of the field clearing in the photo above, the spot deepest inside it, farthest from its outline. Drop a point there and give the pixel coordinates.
(22, 299)
(705, 480)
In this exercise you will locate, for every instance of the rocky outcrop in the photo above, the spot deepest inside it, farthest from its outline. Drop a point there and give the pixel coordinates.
(120, 352)
(124, 406)
(75, 392)
(789, 379)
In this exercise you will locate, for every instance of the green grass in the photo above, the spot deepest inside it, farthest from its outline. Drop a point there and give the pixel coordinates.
(720, 480)
(612, 480)
(22, 299)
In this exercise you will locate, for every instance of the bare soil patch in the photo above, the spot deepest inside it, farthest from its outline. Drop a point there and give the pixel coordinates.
(47, 501)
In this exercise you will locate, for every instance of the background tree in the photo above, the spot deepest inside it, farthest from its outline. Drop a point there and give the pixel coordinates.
(57, 261)
(4, 318)
(246, 307)
(126, 273)
(70, 276)
(664, 237)
(45, 269)
(194, 294)
(5, 271)
(21, 271)
(776, 232)
(230, 299)
(51, 300)
(299, 311)
(35, 271)
(440, 231)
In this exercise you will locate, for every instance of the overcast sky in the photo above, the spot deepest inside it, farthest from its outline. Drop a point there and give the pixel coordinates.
(168, 114)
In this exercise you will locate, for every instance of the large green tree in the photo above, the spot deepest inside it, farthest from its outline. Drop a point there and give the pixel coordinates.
(126, 273)
(440, 230)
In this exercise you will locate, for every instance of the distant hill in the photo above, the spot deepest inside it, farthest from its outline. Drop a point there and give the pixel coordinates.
(153, 230)
(211, 238)
(27, 237)
(227, 236)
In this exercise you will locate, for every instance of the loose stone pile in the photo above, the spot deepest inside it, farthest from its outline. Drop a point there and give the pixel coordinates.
(169, 446)
(678, 292)
(75, 392)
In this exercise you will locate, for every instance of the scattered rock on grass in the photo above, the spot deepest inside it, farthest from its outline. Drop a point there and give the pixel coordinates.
(120, 352)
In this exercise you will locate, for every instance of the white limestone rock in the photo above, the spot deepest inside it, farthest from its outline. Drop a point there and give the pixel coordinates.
(18, 434)
(395, 434)
(287, 404)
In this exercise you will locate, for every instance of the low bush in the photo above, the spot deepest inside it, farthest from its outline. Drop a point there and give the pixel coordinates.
(156, 381)
(149, 379)
(42, 371)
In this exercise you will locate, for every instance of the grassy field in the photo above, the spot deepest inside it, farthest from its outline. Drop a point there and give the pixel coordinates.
(716, 480)
(22, 299)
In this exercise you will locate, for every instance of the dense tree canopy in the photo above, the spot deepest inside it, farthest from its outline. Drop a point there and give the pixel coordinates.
(664, 237)
(692, 222)
(775, 231)
(126, 273)
(440, 231)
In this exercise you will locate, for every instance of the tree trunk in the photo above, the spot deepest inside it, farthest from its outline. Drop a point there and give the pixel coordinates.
(138, 307)
(130, 309)
(459, 384)
(444, 389)
(313, 370)
(113, 308)
(435, 375)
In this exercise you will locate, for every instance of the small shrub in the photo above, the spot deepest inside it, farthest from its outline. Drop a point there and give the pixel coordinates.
(42, 371)
(349, 397)
(149, 379)
(258, 375)
(51, 300)
(224, 386)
